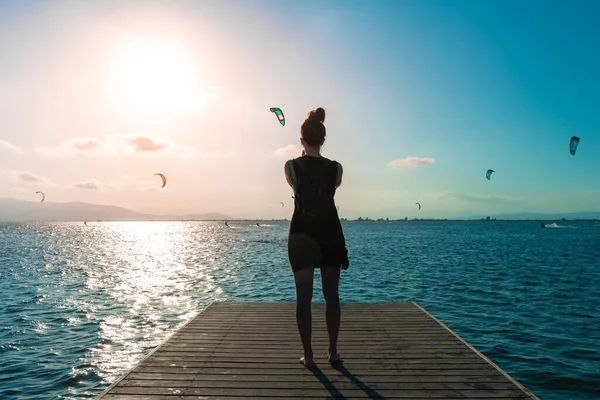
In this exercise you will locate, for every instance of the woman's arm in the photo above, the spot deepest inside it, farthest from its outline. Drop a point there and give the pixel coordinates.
(340, 172)
(290, 174)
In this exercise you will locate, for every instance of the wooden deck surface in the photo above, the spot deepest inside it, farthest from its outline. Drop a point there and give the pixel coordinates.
(251, 351)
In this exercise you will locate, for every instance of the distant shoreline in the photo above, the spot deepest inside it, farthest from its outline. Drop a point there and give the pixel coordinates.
(14, 210)
(342, 219)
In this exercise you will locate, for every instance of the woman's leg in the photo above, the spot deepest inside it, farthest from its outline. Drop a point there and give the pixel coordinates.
(330, 280)
(304, 279)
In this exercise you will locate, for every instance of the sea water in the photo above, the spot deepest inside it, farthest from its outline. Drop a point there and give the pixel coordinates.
(80, 305)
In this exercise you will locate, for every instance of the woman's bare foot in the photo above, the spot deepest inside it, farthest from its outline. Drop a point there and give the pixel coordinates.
(307, 362)
(333, 357)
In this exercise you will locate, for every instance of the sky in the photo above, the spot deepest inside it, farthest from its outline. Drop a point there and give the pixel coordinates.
(422, 97)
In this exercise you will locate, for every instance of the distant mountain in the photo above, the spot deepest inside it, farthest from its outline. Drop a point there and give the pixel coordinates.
(543, 216)
(19, 210)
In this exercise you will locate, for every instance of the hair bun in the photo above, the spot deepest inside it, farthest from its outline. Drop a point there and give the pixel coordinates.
(312, 129)
(317, 115)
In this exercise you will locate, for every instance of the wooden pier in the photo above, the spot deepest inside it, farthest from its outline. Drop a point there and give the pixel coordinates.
(251, 351)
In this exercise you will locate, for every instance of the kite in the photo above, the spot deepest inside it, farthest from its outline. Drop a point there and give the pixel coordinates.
(488, 174)
(43, 196)
(279, 115)
(164, 179)
(573, 145)
(418, 205)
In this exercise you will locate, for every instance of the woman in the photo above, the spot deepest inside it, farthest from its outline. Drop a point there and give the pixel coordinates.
(315, 238)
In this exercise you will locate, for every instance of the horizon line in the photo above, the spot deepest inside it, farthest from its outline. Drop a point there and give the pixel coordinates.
(288, 220)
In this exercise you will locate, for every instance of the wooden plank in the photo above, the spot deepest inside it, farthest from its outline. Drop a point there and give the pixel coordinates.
(410, 377)
(475, 371)
(315, 384)
(236, 350)
(356, 392)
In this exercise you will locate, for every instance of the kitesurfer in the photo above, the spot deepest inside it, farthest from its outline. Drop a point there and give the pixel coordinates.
(163, 178)
(279, 114)
(316, 239)
(573, 145)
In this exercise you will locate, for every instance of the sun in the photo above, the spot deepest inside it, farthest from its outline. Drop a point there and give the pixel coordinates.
(154, 77)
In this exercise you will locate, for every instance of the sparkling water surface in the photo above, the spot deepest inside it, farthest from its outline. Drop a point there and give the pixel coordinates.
(80, 305)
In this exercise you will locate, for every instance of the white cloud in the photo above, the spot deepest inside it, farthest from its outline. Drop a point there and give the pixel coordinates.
(113, 145)
(146, 144)
(91, 185)
(25, 177)
(289, 151)
(4, 145)
(86, 185)
(82, 145)
(411, 162)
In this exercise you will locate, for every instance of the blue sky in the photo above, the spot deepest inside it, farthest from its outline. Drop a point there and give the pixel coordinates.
(470, 84)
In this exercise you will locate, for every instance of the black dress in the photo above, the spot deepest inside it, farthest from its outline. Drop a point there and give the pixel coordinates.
(316, 242)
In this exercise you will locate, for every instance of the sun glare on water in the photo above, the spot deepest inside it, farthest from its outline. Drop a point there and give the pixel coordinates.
(154, 77)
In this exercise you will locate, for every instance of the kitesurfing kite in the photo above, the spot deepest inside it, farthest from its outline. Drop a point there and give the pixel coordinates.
(488, 174)
(279, 115)
(164, 179)
(281, 202)
(418, 205)
(573, 145)
(43, 196)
